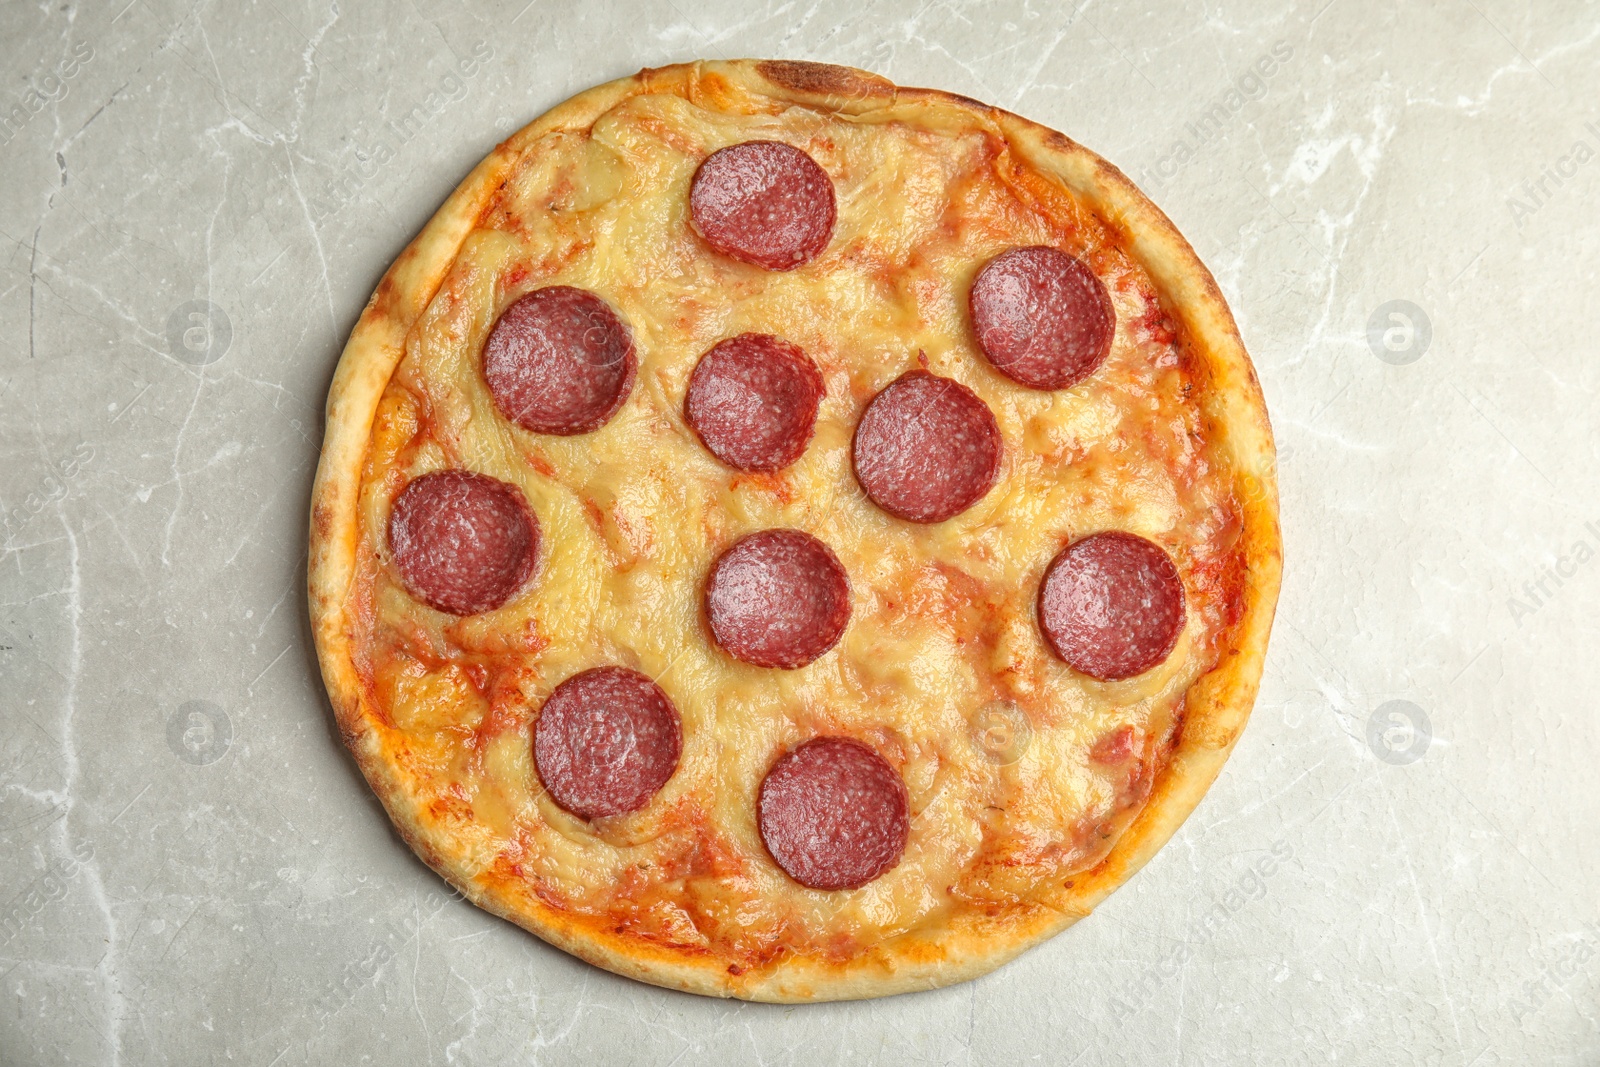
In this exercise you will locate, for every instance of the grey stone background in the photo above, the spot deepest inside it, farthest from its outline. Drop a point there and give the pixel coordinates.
(1399, 864)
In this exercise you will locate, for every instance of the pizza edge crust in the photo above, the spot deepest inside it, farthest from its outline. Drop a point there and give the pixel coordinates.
(1217, 705)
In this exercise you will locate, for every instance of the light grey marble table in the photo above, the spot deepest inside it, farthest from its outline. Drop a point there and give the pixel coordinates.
(1399, 864)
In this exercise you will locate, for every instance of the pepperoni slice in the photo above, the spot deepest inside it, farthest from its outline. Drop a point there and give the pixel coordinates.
(778, 598)
(763, 202)
(753, 400)
(833, 813)
(606, 742)
(1042, 317)
(1111, 605)
(559, 361)
(927, 448)
(463, 542)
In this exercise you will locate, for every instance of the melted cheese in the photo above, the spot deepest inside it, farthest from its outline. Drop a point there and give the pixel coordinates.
(633, 515)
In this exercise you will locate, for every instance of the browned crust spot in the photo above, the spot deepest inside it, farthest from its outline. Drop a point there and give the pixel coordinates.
(823, 79)
(967, 101)
(322, 519)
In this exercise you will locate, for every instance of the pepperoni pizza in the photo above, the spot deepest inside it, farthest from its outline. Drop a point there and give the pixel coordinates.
(786, 536)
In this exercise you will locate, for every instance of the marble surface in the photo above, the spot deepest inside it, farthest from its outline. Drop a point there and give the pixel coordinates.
(1399, 864)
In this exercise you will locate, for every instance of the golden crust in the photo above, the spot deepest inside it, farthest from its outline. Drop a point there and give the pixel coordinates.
(972, 943)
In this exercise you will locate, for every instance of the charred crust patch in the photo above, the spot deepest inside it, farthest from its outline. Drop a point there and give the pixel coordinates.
(1060, 141)
(967, 101)
(386, 298)
(322, 520)
(823, 79)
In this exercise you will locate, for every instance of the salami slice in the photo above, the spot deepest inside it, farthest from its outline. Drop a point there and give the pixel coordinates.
(753, 400)
(606, 742)
(1112, 605)
(834, 814)
(463, 542)
(1041, 317)
(559, 361)
(778, 598)
(763, 202)
(927, 448)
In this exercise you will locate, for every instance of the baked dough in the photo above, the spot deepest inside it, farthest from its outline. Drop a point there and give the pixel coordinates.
(1034, 791)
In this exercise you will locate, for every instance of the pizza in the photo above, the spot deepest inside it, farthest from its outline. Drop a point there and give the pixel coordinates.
(786, 536)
